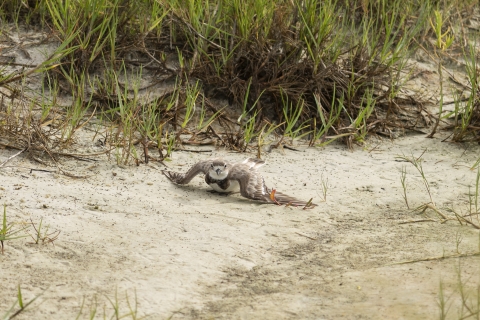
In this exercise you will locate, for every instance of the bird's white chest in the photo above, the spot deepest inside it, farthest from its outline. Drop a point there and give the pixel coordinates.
(234, 187)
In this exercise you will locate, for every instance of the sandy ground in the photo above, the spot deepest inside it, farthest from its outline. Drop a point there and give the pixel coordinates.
(187, 253)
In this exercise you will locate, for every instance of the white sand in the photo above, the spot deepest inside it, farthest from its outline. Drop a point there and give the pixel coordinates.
(193, 254)
(187, 253)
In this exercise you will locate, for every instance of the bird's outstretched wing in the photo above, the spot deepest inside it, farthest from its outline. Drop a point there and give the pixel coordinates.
(254, 163)
(252, 185)
(251, 182)
(184, 178)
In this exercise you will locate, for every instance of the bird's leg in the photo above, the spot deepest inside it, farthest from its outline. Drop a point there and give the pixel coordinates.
(272, 197)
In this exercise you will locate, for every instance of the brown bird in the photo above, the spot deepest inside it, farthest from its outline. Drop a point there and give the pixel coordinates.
(226, 177)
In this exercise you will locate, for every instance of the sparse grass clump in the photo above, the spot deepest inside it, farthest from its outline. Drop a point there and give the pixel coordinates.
(7, 232)
(43, 236)
(471, 217)
(14, 311)
(116, 308)
(463, 301)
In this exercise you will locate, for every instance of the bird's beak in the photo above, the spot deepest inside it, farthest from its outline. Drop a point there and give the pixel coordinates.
(218, 171)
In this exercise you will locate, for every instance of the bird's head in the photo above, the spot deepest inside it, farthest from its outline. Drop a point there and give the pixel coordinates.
(218, 170)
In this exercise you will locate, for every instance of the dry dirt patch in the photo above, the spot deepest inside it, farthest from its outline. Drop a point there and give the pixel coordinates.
(193, 254)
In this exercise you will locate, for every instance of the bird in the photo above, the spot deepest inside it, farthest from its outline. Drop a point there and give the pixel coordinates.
(226, 177)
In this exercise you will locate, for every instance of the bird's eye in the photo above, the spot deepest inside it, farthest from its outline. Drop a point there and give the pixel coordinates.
(225, 166)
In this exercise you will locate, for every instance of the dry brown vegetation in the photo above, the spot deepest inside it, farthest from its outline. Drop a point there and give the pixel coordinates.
(321, 71)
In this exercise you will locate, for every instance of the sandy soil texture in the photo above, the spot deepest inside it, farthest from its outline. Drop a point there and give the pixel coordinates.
(190, 254)
(185, 253)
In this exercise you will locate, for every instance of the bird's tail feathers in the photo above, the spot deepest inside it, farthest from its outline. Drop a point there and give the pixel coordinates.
(283, 199)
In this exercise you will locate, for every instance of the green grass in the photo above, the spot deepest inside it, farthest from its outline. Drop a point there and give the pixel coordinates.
(14, 311)
(113, 308)
(467, 115)
(106, 308)
(320, 71)
(463, 301)
(7, 232)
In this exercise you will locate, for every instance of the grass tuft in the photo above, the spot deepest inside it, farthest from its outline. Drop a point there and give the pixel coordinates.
(7, 232)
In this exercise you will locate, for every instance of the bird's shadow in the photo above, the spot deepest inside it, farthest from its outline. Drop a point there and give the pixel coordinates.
(221, 194)
(231, 197)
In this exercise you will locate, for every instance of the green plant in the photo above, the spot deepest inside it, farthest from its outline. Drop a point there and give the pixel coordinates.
(292, 114)
(267, 129)
(76, 111)
(465, 298)
(442, 302)
(444, 41)
(330, 73)
(403, 178)
(466, 114)
(95, 25)
(360, 123)
(249, 130)
(444, 217)
(203, 124)
(43, 236)
(117, 309)
(333, 116)
(21, 304)
(170, 139)
(6, 232)
(417, 164)
(191, 93)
